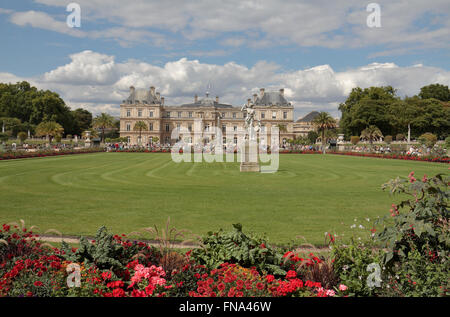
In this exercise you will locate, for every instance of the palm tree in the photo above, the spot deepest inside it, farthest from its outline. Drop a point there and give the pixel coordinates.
(281, 128)
(140, 126)
(103, 122)
(50, 129)
(323, 122)
(371, 133)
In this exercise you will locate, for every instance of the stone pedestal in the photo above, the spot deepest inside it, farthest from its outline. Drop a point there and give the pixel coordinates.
(249, 161)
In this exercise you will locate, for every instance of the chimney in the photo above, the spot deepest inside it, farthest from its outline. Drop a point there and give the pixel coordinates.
(255, 96)
(152, 91)
(217, 99)
(248, 101)
(282, 92)
(162, 101)
(158, 96)
(195, 98)
(262, 92)
(132, 89)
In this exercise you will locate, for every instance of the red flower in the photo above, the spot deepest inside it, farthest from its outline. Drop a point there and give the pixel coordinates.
(38, 283)
(106, 275)
(291, 274)
(270, 278)
(259, 285)
(118, 292)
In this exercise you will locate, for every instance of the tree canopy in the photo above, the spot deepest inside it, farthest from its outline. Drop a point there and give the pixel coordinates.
(32, 106)
(381, 107)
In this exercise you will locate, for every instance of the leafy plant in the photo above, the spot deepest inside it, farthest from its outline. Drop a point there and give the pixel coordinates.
(417, 234)
(350, 266)
(106, 251)
(237, 247)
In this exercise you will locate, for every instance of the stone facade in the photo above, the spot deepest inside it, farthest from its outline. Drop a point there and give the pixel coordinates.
(148, 106)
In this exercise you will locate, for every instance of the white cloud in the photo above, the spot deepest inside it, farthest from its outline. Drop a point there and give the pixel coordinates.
(100, 83)
(44, 21)
(331, 24)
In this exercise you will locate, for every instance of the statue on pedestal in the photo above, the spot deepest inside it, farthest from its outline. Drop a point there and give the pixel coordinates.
(249, 161)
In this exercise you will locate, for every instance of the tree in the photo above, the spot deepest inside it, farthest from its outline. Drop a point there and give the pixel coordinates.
(140, 126)
(312, 137)
(354, 139)
(282, 129)
(82, 120)
(371, 133)
(428, 139)
(323, 122)
(435, 91)
(402, 114)
(365, 107)
(103, 121)
(49, 129)
(22, 136)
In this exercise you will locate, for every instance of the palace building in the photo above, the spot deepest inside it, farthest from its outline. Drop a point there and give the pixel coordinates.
(271, 108)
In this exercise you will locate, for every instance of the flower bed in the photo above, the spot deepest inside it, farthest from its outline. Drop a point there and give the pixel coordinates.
(23, 154)
(411, 253)
(397, 157)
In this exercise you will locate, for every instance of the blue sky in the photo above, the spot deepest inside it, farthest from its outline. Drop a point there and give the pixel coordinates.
(316, 50)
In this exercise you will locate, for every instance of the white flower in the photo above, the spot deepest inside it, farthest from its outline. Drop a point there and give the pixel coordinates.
(368, 219)
(353, 226)
(361, 227)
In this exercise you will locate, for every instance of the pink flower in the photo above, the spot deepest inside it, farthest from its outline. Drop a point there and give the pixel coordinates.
(330, 292)
(342, 287)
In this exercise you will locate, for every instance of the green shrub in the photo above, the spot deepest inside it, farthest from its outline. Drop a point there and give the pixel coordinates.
(428, 139)
(236, 247)
(22, 136)
(351, 263)
(417, 235)
(400, 137)
(388, 139)
(354, 139)
(107, 252)
(447, 143)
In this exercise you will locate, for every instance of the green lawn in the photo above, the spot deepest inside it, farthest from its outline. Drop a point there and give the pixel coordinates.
(308, 196)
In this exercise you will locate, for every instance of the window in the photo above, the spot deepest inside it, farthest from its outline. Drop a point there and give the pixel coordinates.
(139, 113)
(128, 127)
(274, 115)
(190, 127)
(128, 113)
(224, 128)
(178, 126)
(285, 115)
(151, 114)
(167, 127)
(235, 128)
(224, 140)
(128, 139)
(263, 115)
(235, 140)
(207, 127)
(234, 115)
(263, 128)
(190, 114)
(150, 126)
(168, 114)
(179, 114)
(223, 114)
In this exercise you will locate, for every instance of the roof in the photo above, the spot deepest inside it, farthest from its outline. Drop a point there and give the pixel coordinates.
(272, 99)
(207, 102)
(143, 96)
(309, 117)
